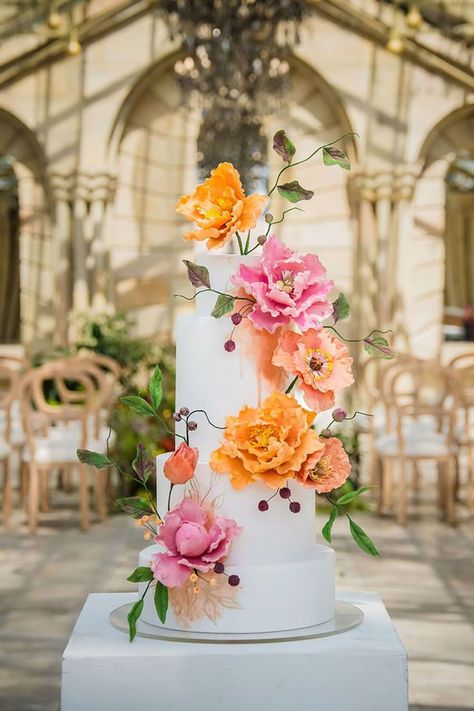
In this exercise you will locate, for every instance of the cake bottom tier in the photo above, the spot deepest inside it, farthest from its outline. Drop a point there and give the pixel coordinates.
(270, 598)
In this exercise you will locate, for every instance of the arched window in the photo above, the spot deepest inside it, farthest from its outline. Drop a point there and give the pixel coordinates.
(459, 237)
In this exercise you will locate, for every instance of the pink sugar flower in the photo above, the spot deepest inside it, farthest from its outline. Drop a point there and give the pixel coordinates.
(194, 539)
(327, 469)
(287, 287)
(321, 362)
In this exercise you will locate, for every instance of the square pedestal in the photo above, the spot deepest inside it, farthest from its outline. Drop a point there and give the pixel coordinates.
(364, 669)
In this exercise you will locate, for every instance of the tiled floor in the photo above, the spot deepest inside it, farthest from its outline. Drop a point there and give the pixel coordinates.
(425, 576)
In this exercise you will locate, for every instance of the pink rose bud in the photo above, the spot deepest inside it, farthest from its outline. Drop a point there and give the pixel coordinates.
(262, 239)
(339, 415)
(181, 465)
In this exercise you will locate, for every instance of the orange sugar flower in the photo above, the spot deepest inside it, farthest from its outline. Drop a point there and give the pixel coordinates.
(181, 465)
(321, 362)
(326, 469)
(269, 443)
(219, 207)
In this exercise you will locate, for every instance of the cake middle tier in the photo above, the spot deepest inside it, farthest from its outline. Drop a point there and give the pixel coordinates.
(211, 379)
(268, 537)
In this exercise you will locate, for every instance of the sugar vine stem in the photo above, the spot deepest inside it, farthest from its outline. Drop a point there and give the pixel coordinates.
(304, 160)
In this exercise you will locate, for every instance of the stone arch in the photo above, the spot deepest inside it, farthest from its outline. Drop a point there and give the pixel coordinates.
(19, 143)
(153, 150)
(426, 252)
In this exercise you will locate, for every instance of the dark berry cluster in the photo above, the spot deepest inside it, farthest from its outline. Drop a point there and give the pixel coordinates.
(233, 580)
(182, 415)
(236, 318)
(285, 493)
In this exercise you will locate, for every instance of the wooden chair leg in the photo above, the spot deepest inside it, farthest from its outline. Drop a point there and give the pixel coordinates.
(33, 497)
(44, 490)
(84, 496)
(470, 477)
(7, 492)
(374, 466)
(402, 493)
(450, 473)
(416, 478)
(67, 479)
(100, 479)
(23, 482)
(441, 487)
(385, 495)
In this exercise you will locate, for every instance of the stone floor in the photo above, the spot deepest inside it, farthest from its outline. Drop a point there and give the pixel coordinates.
(425, 576)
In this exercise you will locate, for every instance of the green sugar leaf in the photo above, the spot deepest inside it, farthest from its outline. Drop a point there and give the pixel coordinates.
(341, 308)
(334, 156)
(223, 305)
(327, 528)
(161, 601)
(351, 495)
(141, 575)
(362, 539)
(138, 405)
(94, 459)
(283, 146)
(197, 274)
(132, 618)
(293, 192)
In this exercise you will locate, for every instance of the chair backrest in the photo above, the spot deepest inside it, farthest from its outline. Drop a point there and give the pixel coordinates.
(110, 370)
(374, 375)
(106, 363)
(462, 369)
(423, 389)
(79, 392)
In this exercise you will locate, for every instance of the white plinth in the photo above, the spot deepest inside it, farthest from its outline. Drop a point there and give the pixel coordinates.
(361, 670)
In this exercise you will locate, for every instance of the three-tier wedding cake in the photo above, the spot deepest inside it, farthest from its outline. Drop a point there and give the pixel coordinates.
(286, 577)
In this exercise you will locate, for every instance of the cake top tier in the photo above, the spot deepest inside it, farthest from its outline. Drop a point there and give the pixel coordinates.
(221, 268)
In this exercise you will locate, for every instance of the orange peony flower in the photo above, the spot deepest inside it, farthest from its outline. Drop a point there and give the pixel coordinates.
(270, 444)
(219, 207)
(181, 465)
(326, 469)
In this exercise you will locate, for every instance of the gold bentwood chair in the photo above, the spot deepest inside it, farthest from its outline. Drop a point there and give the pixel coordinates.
(376, 375)
(421, 397)
(462, 369)
(56, 429)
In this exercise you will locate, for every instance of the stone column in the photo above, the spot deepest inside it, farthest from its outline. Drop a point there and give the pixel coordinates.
(61, 193)
(101, 197)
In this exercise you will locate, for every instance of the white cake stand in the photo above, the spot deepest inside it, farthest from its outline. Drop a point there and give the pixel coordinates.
(346, 617)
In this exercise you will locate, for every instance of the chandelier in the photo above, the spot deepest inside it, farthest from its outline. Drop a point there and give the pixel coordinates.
(235, 71)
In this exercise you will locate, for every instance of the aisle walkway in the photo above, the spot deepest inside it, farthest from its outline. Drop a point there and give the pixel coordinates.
(425, 576)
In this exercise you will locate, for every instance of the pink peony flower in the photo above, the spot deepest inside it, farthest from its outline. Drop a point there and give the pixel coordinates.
(321, 361)
(194, 539)
(327, 469)
(287, 287)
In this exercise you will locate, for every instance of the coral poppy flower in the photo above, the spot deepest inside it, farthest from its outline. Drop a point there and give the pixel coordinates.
(321, 362)
(269, 443)
(219, 207)
(326, 469)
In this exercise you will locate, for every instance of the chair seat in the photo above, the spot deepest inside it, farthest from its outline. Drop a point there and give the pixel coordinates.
(55, 448)
(421, 444)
